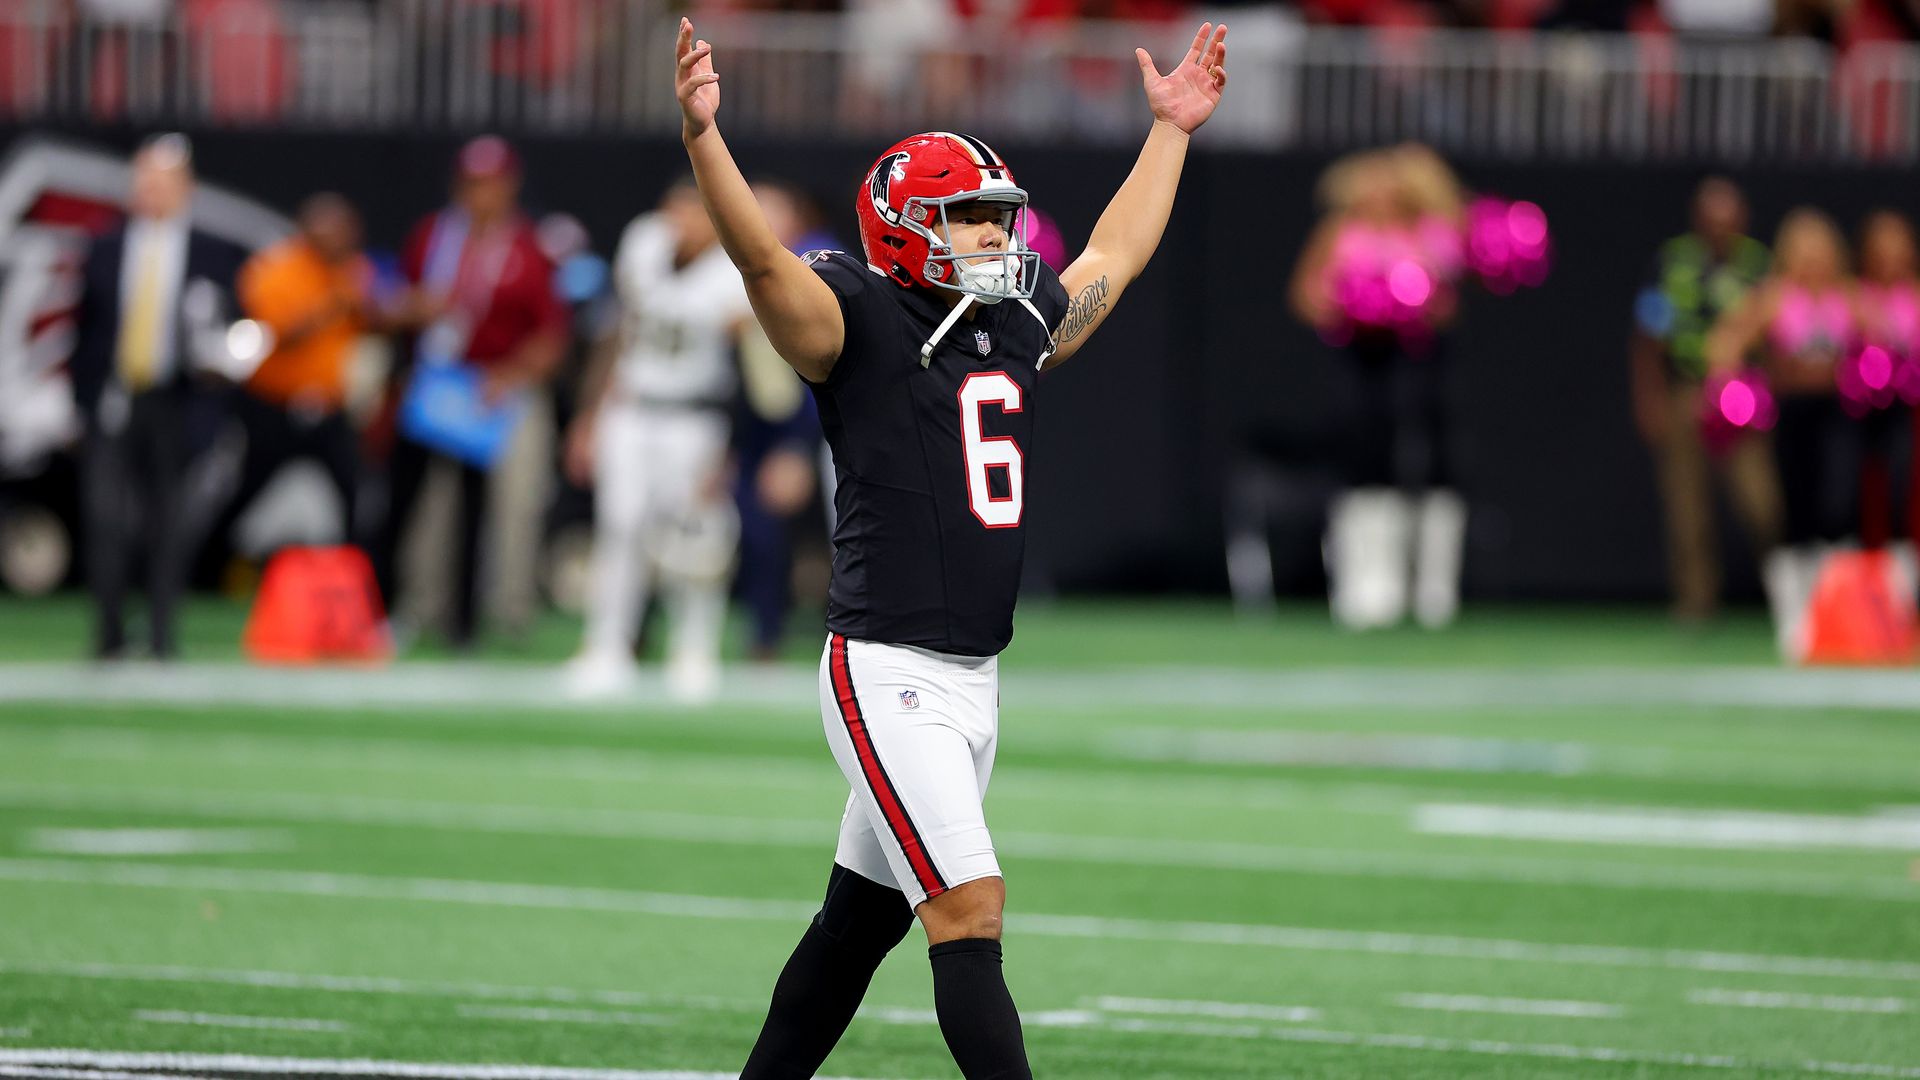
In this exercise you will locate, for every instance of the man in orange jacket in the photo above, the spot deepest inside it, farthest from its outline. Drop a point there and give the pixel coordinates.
(311, 291)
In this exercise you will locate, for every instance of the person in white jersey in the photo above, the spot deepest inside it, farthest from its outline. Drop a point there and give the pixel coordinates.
(651, 440)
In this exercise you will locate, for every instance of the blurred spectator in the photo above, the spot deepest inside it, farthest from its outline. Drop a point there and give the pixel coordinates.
(777, 440)
(1802, 319)
(1378, 278)
(1890, 320)
(311, 293)
(1698, 276)
(583, 280)
(483, 305)
(652, 436)
(1744, 17)
(151, 293)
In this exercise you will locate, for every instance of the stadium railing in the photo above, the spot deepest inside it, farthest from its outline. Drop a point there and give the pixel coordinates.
(600, 65)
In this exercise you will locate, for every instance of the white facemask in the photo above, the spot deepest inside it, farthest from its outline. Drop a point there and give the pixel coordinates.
(990, 280)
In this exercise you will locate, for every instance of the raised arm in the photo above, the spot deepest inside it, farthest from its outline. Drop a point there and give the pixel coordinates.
(799, 312)
(1129, 230)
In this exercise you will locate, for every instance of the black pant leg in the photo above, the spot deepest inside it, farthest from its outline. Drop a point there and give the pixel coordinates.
(159, 424)
(1372, 431)
(470, 520)
(406, 471)
(332, 441)
(270, 445)
(106, 500)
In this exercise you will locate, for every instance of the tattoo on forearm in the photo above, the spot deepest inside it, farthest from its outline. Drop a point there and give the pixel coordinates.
(1084, 310)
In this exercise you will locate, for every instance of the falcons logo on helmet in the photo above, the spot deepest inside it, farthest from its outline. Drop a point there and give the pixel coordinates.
(886, 172)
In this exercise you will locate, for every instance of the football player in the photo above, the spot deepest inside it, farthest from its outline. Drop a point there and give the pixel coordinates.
(652, 438)
(923, 353)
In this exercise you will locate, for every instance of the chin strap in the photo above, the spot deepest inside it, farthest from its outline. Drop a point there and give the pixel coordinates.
(946, 324)
(1045, 329)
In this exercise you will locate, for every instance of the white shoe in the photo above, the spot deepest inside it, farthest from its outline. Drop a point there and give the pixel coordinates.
(1369, 531)
(1442, 540)
(601, 675)
(693, 682)
(1788, 575)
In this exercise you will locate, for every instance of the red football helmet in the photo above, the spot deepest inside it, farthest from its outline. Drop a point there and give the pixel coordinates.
(903, 217)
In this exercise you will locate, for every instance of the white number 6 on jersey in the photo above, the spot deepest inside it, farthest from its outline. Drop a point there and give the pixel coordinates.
(977, 390)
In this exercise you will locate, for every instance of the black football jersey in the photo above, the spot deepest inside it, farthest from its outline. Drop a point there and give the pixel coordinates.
(933, 462)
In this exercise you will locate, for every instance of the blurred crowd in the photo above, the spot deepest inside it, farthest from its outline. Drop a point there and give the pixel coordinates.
(1835, 21)
(1840, 22)
(1787, 372)
(1792, 373)
(529, 391)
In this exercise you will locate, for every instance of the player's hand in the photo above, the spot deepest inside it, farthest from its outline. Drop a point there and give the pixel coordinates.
(1187, 95)
(695, 82)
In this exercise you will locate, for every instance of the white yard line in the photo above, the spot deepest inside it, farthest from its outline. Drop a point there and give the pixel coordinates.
(295, 807)
(370, 984)
(675, 905)
(537, 1015)
(1506, 1006)
(472, 686)
(263, 1023)
(274, 1066)
(1504, 1049)
(58, 1073)
(1767, 999)
(413, 757)
(1654, 827)
(1219, 1010)
(154, 841)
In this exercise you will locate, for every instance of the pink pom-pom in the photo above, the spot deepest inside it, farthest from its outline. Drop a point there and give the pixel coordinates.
(1732, 406)
(1508, 245)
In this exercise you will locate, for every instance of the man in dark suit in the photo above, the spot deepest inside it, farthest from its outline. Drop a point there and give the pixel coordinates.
(155, 294)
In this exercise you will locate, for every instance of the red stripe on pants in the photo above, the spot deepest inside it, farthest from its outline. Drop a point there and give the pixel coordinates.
(878, 782)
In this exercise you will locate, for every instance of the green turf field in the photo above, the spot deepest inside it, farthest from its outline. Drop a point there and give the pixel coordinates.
(1550, 843)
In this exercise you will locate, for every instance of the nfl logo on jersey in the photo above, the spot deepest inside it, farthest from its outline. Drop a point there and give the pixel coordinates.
(909, 699)
(982, 342)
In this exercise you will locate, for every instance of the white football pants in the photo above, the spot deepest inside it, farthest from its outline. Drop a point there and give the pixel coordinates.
(651, 466)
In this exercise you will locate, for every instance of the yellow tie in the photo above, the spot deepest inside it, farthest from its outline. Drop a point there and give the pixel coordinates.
(140, 323)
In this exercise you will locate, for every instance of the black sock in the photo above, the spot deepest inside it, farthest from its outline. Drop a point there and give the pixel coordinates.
(827, 975)
(976, 1011)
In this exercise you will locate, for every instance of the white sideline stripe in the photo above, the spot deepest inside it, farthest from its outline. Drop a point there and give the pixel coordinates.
(1718, 829)
(54, 1073)
(1499, 1048)
(415, 756)
(423, 1070)
(480, 817)
(1475, 1003)
(570, 898)
(368, 984)
(1222, 1010)
(46, 1072)
(265, 1023)
(559, 1016)
(1124, 851)
(473, 685)
(1765, 999)
(1382, 750)
(154, 841)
